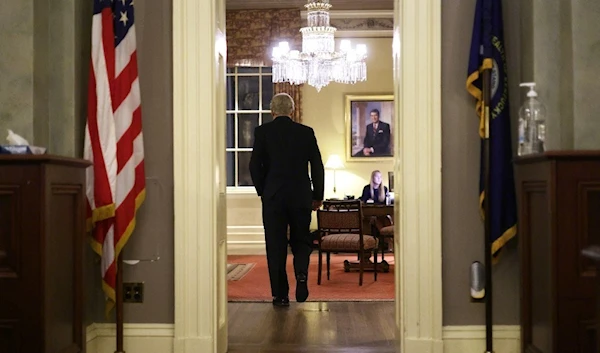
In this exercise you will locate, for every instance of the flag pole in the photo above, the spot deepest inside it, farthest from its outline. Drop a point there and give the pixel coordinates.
(119, 303)
(486, 87)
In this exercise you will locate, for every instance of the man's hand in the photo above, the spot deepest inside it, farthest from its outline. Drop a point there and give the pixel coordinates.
(366, 151)
(316, 204)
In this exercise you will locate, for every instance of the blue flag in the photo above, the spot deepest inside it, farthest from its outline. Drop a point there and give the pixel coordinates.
(487, 52)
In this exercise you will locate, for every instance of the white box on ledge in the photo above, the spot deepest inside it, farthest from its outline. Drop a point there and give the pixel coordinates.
(21, 149)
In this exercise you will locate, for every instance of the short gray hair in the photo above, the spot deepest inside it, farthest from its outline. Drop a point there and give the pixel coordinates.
(282, 103)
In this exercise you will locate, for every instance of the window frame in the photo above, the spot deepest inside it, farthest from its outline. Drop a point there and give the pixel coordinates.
(236, 188)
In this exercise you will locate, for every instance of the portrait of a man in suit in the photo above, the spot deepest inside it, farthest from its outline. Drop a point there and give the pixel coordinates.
(377, 138)
(371, 128)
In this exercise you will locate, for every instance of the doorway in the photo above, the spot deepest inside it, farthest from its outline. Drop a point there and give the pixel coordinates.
(199, 175)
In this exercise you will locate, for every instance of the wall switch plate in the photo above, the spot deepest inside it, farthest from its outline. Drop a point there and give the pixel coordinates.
(133, 292)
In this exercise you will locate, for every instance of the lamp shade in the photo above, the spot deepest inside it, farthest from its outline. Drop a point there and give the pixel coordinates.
(334, 162)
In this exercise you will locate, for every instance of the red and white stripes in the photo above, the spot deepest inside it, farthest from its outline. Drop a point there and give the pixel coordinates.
(114, 143)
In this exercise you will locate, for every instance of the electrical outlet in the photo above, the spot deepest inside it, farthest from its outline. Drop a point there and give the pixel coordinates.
(133, 292)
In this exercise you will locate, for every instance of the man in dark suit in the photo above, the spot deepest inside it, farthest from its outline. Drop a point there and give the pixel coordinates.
(377, 138)
(282, 152)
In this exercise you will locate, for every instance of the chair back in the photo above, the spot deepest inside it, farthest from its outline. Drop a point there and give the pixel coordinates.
(341, 217)
(341, 205)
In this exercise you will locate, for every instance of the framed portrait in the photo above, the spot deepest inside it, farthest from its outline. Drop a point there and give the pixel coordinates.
(369, 127)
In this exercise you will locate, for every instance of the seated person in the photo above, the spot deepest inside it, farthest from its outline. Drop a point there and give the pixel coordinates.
(374, 191)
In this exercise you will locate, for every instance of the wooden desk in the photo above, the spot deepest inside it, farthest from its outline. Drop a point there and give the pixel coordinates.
(369, 211)
(372, 210)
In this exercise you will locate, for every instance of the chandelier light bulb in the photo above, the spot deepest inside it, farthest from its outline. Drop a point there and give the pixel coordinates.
(361, 49)
(276, 52)
(351, 56)
(345, 45)
(284, 47)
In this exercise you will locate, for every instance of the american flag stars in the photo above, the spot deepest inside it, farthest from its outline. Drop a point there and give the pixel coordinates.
(124, 18)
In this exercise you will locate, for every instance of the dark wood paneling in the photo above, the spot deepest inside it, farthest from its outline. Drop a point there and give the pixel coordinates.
(575, 179)
(42, 226)
(588, 211)
(63, 278)
(10, 219)
(9, 336)
(559, 215)
(577, 320)
(539, 298)
(20, 284)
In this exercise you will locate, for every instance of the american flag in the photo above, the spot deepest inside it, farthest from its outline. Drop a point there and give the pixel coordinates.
(113, 136)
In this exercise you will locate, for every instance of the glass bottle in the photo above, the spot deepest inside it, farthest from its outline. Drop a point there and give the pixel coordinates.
(532, 123)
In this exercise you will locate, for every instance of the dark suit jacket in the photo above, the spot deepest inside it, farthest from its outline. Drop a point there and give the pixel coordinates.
(282, 152)
(380, 140)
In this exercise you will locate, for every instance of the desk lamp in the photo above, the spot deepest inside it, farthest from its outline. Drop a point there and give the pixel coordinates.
(334, 163)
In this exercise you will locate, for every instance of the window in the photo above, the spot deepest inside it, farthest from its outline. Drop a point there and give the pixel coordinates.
(249, 93)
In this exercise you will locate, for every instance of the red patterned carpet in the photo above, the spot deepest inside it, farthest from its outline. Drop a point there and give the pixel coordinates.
(343, 286)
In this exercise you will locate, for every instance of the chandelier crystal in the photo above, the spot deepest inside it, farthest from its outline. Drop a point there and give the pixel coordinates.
(318, 63)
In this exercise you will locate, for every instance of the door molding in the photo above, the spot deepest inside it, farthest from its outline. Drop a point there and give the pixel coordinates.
(197, 152)
(199, 50)
(417, 90)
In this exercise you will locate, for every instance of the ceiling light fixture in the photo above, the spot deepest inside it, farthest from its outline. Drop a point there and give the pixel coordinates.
(319, 63)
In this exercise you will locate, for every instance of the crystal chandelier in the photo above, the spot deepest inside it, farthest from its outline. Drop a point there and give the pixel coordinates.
(319, 64)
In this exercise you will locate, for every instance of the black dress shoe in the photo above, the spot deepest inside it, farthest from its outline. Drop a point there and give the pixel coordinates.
(281, 301)
(301, 287)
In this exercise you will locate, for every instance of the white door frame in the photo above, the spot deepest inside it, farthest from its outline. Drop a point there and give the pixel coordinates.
(200, 225)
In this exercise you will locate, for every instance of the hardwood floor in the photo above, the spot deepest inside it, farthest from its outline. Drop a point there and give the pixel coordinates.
(336, 327)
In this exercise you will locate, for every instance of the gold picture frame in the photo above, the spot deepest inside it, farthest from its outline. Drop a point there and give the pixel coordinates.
(361, 128)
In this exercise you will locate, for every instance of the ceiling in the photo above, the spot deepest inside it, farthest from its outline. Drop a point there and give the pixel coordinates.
(336, 4)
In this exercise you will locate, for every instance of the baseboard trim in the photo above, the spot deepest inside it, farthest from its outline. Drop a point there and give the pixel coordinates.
(158, 338)
(142, 338)
(245, 240)
(423, 345)
(246, 247)
(191, 345)
(471, 338)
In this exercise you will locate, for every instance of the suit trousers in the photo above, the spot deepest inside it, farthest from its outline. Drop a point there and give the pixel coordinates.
(278, 215)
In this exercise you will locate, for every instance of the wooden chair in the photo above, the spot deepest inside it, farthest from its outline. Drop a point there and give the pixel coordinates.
(382, 227)
(342, 205)
(340, 228)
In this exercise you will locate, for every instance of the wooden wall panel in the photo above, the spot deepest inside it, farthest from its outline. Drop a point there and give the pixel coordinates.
(42, 231)
(10, 220)
(559, 216)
